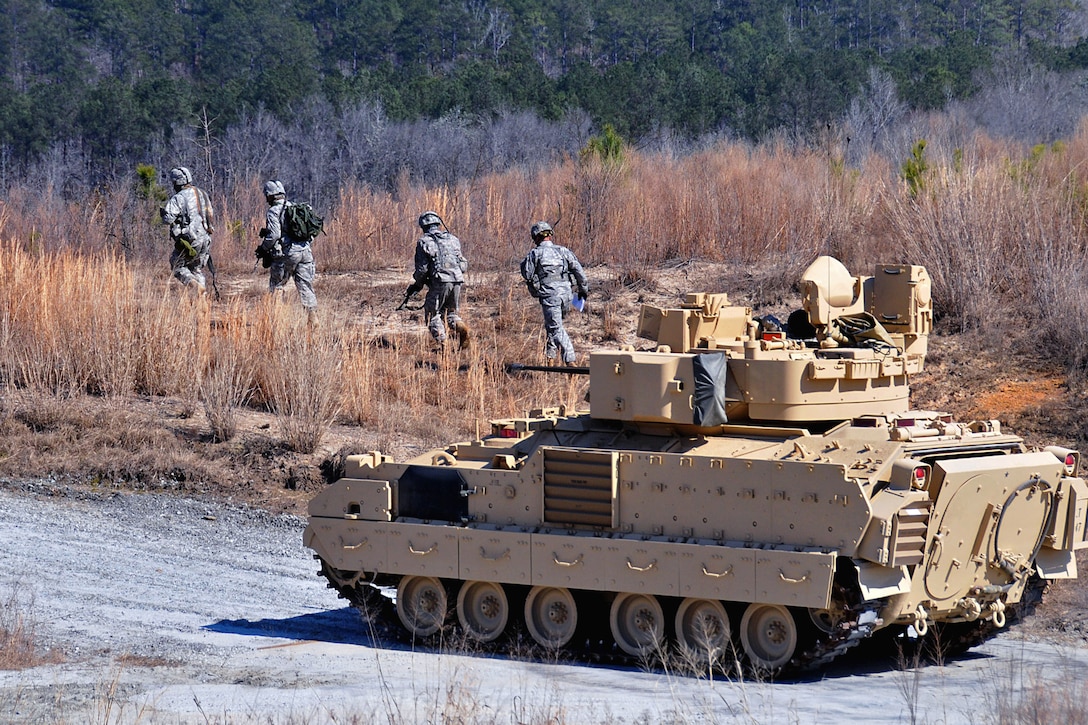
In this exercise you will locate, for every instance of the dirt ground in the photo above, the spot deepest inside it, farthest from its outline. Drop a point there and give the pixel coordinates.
(165, 609)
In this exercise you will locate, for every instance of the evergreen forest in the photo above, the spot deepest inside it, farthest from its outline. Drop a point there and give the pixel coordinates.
(107, 83)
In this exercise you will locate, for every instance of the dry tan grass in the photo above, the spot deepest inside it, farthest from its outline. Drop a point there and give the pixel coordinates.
(998, 227)
(19, 646)
(229, 379)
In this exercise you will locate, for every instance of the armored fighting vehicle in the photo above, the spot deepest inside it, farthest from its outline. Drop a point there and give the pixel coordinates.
(739, 489)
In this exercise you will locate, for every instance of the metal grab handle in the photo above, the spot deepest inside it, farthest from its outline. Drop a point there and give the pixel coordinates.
(649, 566)
(802, 580)
(500, 557)
(576, 562)
(727, 572)
(413, 550)
(353, 547)
(936, 549)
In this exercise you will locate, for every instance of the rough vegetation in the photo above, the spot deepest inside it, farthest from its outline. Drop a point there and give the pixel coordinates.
(114, 378)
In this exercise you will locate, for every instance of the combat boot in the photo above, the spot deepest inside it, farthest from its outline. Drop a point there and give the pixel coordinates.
(463, 334)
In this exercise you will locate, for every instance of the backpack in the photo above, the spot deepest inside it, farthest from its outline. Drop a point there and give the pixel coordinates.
(301, 222)
(531, 277)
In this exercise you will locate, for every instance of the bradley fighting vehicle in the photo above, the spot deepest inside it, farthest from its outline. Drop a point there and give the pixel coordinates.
(736, 489)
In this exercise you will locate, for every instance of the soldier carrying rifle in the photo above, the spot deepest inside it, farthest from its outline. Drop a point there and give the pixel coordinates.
(191, 220)
(441, 267)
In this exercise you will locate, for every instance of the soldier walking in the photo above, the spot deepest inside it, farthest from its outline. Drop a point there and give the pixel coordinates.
(288, 258)
(440, 265)
(191, 220)
(551, 272)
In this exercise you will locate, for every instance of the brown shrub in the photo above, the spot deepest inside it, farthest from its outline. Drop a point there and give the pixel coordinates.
(301, 375)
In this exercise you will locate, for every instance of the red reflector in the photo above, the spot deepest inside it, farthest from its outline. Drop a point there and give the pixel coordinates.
(508, 433)
(919, 473)
(773, 335)
(1070, 460)
(904, 423)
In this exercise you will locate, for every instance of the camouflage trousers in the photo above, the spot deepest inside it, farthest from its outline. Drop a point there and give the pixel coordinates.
(442, 303)
(297, 263)
(558, 340)
(188, 270)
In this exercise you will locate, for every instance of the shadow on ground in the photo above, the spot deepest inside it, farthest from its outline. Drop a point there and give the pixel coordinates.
(337, 626)
(348, 626)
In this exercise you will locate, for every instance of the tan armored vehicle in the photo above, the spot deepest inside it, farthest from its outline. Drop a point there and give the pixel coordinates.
(739, 489)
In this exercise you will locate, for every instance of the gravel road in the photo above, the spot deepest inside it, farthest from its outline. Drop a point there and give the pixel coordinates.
(176, 611)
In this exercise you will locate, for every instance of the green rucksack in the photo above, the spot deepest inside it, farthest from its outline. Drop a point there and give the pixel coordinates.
(301, 222)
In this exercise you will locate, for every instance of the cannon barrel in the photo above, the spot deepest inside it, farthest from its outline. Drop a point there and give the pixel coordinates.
(564, 370)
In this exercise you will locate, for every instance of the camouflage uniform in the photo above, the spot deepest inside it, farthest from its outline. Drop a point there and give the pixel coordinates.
(440, 265)
(549, 271)
(191, 219)
(291, 258)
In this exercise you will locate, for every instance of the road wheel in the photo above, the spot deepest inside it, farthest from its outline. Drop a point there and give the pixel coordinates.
(551, 615)
(637, 622)
(422, 604)
(483, 610)
(768, 633)
(702, 630)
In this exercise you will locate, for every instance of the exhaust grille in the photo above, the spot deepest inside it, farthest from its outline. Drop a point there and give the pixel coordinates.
(580, 487)
(909, 534)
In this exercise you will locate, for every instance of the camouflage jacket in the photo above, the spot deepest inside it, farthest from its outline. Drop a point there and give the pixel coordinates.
(273, 222)
(439, 259)
(190, 216)
(553, 273)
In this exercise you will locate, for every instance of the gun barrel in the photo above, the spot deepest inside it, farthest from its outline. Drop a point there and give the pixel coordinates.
(564, 370)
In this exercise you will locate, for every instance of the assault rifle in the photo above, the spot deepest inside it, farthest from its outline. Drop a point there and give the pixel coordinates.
(512, 368)
(409, 293)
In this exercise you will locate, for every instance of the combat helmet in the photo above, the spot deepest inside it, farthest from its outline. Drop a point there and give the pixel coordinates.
(274, 188)
(180, 177)
(540, 231)
(429, 219)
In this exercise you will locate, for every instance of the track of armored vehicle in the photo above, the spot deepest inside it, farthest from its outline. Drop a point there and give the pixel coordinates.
(741, 491)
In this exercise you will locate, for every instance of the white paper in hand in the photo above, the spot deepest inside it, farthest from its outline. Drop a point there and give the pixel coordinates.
(578, 303)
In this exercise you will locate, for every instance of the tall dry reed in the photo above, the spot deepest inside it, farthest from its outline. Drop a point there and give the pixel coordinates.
(19, 645)
(231, 371)
(731, 202)
(69, 322)
(1002, 233)
(1000, 228)
(300, 373)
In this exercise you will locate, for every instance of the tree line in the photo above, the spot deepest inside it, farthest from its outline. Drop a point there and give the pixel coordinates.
(114, 80)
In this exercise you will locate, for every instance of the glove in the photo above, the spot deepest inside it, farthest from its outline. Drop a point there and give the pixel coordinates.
(263, 233)
(583, 293)
(265, 255)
